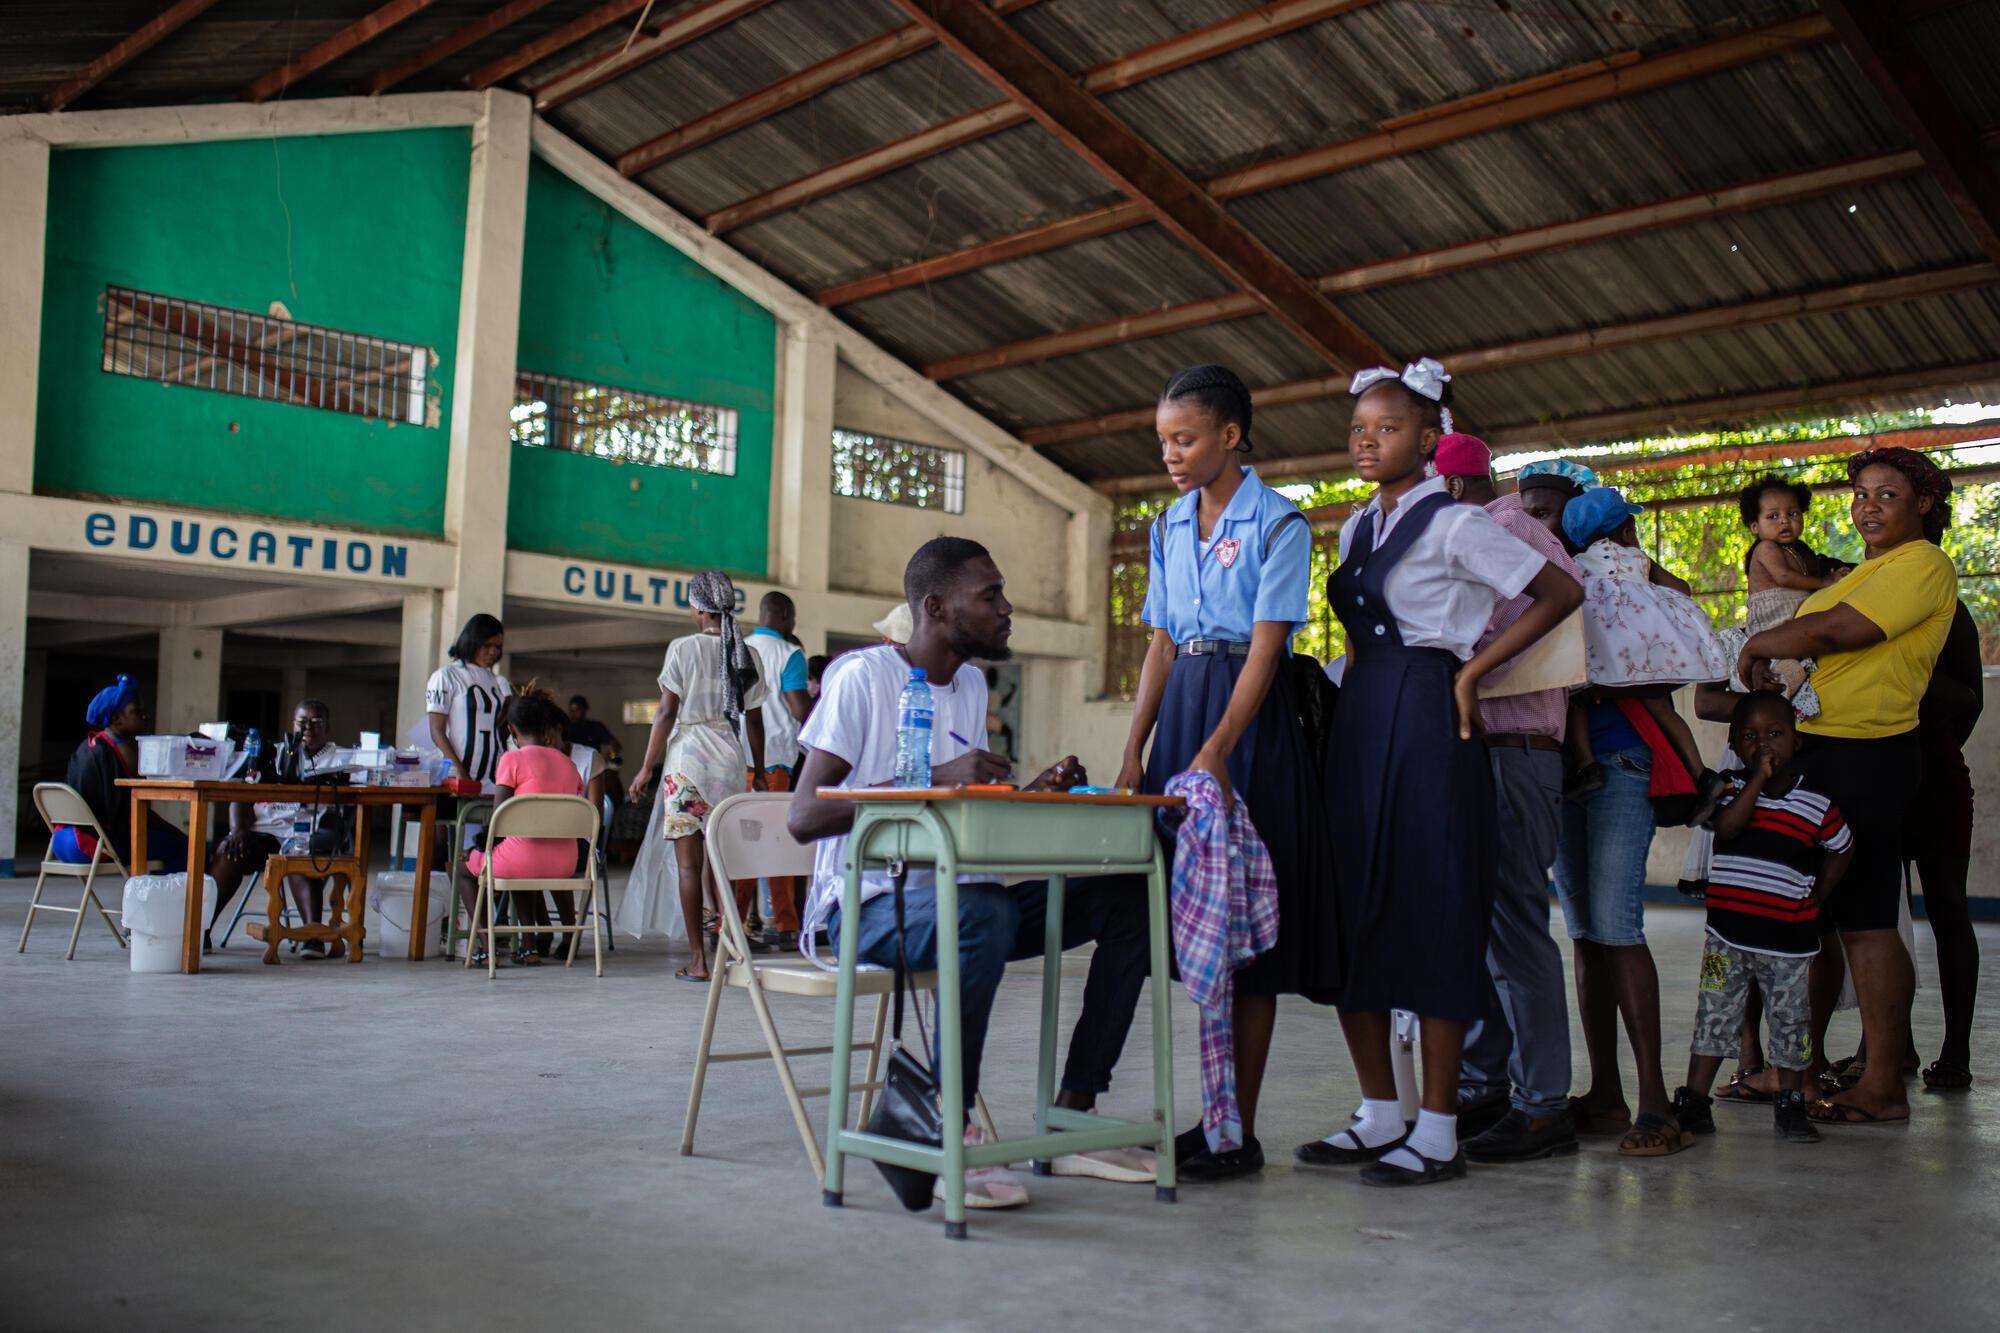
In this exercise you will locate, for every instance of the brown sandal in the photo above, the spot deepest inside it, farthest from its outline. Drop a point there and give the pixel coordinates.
(1597, 1124)
(1654, 1135)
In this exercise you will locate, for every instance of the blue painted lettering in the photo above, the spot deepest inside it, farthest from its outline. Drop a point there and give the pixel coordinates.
(360, 555)
(681, 594)
(604, 583)
(144, 533)
(632, 593)
(328, 550)
(396, 561)
(215, 536)
(659, 586)
(263, 547)
(185, 537)
(300, 546)
(573, 580)
(100, 529)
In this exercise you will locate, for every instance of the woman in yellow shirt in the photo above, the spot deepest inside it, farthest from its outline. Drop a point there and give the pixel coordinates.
(1877, 634)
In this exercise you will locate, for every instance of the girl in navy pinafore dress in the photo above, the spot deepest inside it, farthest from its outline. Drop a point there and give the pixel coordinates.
(1226, 589)
(1410, 801)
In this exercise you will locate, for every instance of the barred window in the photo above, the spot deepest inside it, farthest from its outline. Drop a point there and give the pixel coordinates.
(172, 341)
(899, 472)
(624, 425)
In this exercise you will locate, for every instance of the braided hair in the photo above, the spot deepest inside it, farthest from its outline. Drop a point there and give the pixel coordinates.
(712, 591)
(1219, 392)
(1925, 477)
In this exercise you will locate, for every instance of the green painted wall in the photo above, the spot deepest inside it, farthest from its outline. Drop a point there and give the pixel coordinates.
(359, 232)
(606, 301)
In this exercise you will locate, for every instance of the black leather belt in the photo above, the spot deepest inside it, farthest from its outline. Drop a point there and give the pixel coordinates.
(1516, 740)
(1211, 647)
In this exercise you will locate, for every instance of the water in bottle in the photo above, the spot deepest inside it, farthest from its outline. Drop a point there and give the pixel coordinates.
(253, 757)
(913, 732)
(299, 841)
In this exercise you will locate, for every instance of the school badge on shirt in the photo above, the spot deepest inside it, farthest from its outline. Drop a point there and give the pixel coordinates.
(1226, 550)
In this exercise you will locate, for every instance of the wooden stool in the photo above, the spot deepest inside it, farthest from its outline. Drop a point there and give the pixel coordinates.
(346, 897)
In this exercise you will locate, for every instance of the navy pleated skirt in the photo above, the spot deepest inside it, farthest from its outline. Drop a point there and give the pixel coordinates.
(1411, 813)
(1280, 784)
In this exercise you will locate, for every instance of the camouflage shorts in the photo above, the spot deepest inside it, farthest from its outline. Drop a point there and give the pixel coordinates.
(1726, 975)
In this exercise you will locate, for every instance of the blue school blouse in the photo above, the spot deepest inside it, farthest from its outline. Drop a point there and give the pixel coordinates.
(1220, 594)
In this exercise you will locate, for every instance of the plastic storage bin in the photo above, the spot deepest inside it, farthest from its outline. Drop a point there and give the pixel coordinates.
(184, 757)
(156, 914)
(391, 899)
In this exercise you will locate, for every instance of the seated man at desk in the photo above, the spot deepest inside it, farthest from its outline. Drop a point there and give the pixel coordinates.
(960, 612)
(258, 829)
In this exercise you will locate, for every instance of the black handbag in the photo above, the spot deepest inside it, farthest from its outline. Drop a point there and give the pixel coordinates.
(908, 1107)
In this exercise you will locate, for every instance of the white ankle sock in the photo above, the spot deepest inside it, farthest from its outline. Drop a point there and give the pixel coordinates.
(1434, 1138)
(1378, 1122)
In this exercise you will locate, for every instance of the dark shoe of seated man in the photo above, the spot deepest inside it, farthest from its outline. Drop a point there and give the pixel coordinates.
(1519, 1137)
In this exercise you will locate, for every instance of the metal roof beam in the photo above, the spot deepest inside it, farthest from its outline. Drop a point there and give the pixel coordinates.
(673, 33)
(1771, 191)
(1648, 422)
(1011, 63)
(344, 42)
(451, 44)
(552, 41)
(1880, 45)
(1582, 342)
(1219, 38)
(143, 39)
(1533, 99)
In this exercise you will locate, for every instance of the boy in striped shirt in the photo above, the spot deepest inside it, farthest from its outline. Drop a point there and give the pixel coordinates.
(1780, 847)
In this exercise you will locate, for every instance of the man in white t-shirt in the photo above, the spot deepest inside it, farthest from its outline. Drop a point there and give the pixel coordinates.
(783, 665)
(960, 612)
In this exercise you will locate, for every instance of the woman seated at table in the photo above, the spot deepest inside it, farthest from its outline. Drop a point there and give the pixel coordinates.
(536, 766)
(116, 717)
(257, 830)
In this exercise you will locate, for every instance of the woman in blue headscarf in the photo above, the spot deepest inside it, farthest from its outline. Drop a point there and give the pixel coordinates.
(108, 753)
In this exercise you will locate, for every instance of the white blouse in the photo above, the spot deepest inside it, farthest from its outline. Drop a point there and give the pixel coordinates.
(1443, 590)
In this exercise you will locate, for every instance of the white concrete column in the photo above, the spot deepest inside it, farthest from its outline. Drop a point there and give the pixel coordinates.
(13, 672)
(190, 678)
(1089, 587)
(802, 470)
(422, 652)
(489, 323)
(24, 212)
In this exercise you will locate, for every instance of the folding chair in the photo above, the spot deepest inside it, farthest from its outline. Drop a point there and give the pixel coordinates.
(61, 804)
(538, 816)
(470, 813)
(747, 839)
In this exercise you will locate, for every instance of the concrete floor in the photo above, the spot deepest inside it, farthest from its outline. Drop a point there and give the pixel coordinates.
(410, 1146)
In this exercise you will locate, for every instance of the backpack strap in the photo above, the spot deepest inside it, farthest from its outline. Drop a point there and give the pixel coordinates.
(1271, 534)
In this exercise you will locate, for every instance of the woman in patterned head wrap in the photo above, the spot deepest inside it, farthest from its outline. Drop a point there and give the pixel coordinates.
(709, 683)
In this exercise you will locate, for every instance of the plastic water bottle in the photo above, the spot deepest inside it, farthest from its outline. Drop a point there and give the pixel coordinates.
(253, 757)
(299, 841)
(913, 732)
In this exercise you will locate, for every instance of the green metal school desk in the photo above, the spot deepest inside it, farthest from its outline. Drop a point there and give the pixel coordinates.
(970, 833)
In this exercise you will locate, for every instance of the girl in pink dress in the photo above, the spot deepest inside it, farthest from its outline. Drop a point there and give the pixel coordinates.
(537, 765)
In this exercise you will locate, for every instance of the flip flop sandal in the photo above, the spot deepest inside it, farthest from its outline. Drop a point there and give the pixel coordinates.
(1824, 1112)
(1738, 1090)
(685, 975)
(1597, 1124)
(1654, 1136)
(1941, 1077)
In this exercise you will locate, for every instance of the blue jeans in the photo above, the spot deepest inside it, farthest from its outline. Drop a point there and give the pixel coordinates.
(997, 924)
(1601, 868)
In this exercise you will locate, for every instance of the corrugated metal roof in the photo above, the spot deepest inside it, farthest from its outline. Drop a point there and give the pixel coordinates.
(1320, 84)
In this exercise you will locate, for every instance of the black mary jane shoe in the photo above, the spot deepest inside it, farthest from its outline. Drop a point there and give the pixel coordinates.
(1209, 1167)
(1390, 1175)
(1321, 1153)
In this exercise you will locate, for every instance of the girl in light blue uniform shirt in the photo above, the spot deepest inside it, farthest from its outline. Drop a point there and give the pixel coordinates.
(1226, 590)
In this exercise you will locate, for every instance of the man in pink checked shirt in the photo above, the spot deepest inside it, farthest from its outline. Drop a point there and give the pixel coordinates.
(1513, 1095)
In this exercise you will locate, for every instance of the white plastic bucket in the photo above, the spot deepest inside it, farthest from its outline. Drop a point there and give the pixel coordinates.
(156, 914)
(391, 899)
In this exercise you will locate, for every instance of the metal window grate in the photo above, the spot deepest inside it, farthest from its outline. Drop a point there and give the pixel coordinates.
(171, 341)
(623, 424)
(901, 472)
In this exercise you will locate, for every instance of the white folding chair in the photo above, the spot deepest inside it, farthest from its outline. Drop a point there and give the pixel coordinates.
(539, 816)
(59, 804)
(747, 839)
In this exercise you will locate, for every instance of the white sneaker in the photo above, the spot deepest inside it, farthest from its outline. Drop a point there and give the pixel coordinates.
(986, 1186)
(1126, 1166)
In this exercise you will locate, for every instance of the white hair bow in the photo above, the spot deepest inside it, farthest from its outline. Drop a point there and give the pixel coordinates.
(1425, 377)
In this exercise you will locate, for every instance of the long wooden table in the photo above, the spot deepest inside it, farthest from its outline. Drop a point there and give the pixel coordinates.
(201, 796)
(969, 832)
